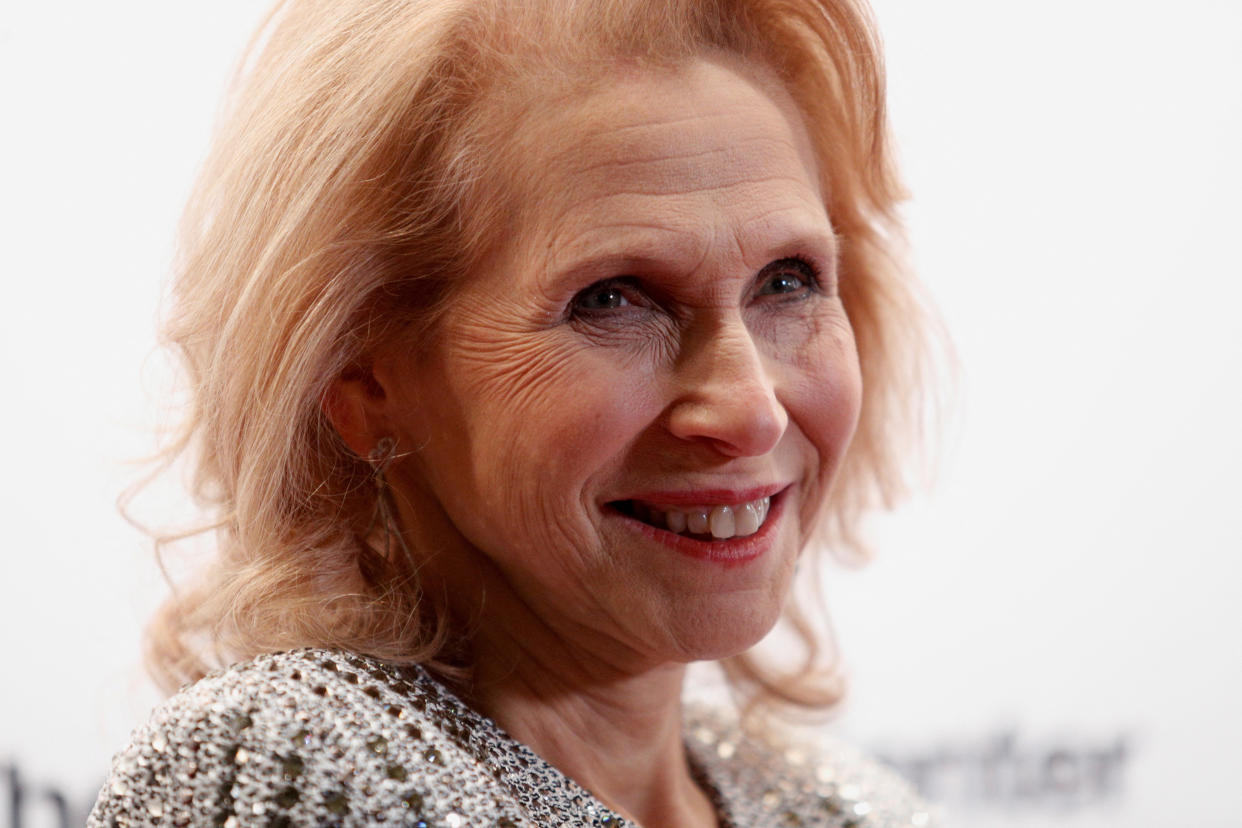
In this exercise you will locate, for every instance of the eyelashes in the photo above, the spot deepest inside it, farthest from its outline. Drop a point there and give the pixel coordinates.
(791, 278)
(608, 294)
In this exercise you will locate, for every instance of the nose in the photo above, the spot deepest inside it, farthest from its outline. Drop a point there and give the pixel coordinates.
(725, 395)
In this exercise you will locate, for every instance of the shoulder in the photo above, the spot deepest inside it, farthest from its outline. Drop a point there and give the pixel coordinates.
(772, 778)
(307, 737)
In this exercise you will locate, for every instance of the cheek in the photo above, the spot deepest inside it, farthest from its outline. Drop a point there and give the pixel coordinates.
(562, 399)
(828, 398)
(539, 415)
(842, 391)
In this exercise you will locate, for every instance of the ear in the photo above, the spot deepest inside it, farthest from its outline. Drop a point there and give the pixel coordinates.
(356, 405)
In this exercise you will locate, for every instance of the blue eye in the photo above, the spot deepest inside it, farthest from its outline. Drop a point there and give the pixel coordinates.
(785, 277)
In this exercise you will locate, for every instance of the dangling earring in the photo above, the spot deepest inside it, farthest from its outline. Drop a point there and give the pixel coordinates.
(380, 458)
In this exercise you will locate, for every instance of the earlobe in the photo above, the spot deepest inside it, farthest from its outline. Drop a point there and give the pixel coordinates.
(355, 405)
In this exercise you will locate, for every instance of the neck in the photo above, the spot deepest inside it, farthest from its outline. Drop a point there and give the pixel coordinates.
(616, 733)
(607, 717)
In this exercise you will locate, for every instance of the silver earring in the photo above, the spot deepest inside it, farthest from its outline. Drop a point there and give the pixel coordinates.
(380, 458)
(382, 455)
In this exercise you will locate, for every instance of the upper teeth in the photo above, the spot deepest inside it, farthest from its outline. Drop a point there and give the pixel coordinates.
(720, 521)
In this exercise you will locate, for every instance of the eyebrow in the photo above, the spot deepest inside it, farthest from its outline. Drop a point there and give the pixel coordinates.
(647, 252)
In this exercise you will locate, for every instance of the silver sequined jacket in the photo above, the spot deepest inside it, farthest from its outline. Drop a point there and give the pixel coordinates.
(317, 737)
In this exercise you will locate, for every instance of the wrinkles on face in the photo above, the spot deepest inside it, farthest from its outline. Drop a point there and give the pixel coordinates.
(668, 168)
(670, 173)
(492, 386)
(660, 144)
(669, 201)
(685, 224)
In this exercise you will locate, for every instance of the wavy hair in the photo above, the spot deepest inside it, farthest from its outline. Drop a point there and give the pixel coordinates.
(351, 186)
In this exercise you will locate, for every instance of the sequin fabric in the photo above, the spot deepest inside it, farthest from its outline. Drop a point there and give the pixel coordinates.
(317, 737)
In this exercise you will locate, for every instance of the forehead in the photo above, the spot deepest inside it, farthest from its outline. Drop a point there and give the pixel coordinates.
(667, 158)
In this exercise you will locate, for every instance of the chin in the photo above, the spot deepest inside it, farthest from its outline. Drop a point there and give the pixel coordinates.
(713, 634)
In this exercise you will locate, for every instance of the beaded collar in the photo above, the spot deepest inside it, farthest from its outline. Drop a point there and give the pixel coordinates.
(318, 737)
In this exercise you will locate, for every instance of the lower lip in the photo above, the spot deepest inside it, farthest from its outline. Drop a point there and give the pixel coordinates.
(728, 553)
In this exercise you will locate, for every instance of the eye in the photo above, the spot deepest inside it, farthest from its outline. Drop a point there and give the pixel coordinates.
(792, 276)
(604, 296)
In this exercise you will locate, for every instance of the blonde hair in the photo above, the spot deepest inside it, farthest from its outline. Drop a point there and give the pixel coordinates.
(349, 189)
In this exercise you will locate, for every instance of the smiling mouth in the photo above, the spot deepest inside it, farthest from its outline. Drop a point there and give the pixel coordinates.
(701, 522)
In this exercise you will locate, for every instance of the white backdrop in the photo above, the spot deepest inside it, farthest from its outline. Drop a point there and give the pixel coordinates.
(1047, 637)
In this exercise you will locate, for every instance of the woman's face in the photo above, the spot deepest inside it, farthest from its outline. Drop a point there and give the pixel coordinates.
(631, 417)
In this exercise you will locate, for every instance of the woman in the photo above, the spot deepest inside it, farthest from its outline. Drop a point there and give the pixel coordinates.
(526, 340)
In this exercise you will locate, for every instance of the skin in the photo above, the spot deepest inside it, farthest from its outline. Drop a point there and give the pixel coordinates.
(663, 322)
